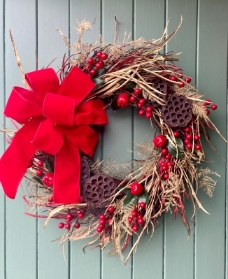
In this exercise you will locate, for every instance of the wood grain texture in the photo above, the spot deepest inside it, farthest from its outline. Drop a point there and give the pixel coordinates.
(212, 79)
(92, 256)
(117, 141)
(181, 249)
(52, 15)
(149, 24)
(20, 230)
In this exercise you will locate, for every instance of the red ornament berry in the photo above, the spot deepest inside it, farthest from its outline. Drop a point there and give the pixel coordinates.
(148, 114)
(61, 225)
(69, 216)
(93, 72)
(142, 101)
(132, 99)
(102, 221)
(111, 209)
(214, 107)
(40, 163)
(90, 61)
(98, 54)
(149, 109)
(141, 112)
(130, 220)
(181, 84)
(123, 100)
(67, 226)
(207, 102)
(188, 79)
(80, 215)
(99, 65)
(104, 56)
(139, 106)
(165, 176)
(102, 217)
(186, 141)
(39, 172)
(168, 156)
(198, 147)
(189, 146)
(196, 137)
(164, 151)
(176, 134)
(208, 111)
(100, 229)
(159, 141)
(136, 189)
(135, 228)
(77, 225)
(142, 205)
(180, 75)
(187, 129)
(189, 136)
(169, 164)
(173, 78)
(137, 91)
(164, 168)
(134, 214)
(140, 221)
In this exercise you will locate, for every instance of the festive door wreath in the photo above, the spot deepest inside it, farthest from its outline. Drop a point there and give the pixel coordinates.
(54, 146)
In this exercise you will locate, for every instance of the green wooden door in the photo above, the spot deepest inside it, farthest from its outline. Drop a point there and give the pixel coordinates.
(26, 250)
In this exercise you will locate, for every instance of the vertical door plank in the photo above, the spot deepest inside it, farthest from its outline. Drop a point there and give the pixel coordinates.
(149, 24)
(178, 248)
(52, 15)
(2, 88)
(88, 10)
(212, 79)
(20, 229)
(117, 136)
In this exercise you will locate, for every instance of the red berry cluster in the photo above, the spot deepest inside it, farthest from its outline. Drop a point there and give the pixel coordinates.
(69, 218)
(190, 139)
(135, 97)
(105, 219)
(96, 63)
(48, 179)
(136, 217)
(179, 76)
(209, 106)
(165, 164)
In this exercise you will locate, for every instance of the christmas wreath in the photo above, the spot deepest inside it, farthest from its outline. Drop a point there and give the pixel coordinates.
(53, 148)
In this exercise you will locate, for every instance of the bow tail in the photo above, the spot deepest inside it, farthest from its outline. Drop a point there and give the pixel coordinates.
(67, 174)
(15, 160)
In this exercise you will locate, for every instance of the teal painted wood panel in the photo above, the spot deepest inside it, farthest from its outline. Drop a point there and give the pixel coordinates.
(26, 248)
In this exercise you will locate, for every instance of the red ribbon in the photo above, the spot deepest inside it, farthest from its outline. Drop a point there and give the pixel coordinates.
(55, 121)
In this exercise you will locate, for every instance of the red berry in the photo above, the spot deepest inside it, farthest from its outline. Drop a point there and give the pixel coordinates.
(207, 102)
(181, 84)
(77, 225)
(180, 75)
(139, 106)
(132, 99)
(67, 226)
(93, 72)
(148, 114)
(102, 217)
(123, 100)
(169, 164)
(99, 65)
(173, 78)
(137, 91)
(164, 151)
(39, 172)
(136, 189)
(104, 56)
(176, 134)
(40, 163)
(100, 229)
(50, 199)
(189, 146)
(214, 107)
(187, 129)
(142, 205)
(198, 147)
(140, 221)
(165, 176)
(90, 61)
(102, 221)
(142, 101)
(189, 136)
(208, 111)
(188, 79)
(80, 215)
(111, 209)
(135, 228)
(61, 225)
(98, 54)
(164, 168)
(141, 112)
(168, 156)
(159, 141)
(134, 214)
(196, 137)
(130, 220)
(69, 216)
(186, 141)
(149, 109)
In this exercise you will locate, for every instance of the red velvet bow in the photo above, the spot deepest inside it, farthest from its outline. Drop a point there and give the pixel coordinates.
(55, 121)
